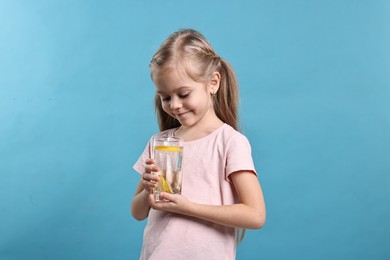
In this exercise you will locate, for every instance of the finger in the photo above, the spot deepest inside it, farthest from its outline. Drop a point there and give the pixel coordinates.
(152, 201)
(148, 182)
(149, 161)
(150, 177)
(158, 205)
(167, 196)
(151, 168)
(149, 186)
(148, 168)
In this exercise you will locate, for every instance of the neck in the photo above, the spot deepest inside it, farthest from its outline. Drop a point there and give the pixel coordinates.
(190, 133)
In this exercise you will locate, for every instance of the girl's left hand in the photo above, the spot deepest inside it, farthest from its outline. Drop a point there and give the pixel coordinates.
(175, 203)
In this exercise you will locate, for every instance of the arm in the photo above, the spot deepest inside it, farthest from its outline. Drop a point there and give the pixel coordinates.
(248, 213)
(140, 205)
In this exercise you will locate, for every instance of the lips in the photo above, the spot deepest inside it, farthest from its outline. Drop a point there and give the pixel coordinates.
(181, 114)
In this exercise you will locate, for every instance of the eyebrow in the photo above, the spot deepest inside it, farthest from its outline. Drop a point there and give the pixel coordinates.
(179, 89)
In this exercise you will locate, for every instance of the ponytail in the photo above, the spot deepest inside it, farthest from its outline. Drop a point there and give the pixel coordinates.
(226, 101)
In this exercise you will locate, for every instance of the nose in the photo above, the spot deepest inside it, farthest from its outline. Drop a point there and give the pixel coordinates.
(175, 103)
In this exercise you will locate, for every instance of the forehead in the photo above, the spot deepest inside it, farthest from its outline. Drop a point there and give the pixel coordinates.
(169, 80)
(170, 73)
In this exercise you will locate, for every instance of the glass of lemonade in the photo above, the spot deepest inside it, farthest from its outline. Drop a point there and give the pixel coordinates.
(167, 153)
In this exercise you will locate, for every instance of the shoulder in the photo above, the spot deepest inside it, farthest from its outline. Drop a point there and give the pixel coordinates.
(229, 135)
(238, 152)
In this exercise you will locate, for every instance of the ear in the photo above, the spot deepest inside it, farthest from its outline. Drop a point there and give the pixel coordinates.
(214, 82)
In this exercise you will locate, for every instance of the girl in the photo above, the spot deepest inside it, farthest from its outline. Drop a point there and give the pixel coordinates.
(196, 100)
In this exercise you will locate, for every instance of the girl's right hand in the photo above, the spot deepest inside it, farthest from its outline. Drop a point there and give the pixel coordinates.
(149, 180)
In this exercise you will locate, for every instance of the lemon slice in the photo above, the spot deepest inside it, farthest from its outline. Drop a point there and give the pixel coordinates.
(168, 148)
(163, 185)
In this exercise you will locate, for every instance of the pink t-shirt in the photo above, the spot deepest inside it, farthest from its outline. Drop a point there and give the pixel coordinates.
(207, 164)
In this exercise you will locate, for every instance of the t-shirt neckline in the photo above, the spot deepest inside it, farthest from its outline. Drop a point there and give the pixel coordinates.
(202, 139)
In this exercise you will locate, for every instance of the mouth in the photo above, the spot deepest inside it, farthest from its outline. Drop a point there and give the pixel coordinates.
(180, 114)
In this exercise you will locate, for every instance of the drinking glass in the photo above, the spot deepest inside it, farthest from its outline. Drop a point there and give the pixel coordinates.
(167, 153)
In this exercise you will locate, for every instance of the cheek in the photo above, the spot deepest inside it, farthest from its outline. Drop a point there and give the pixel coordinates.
(165, 107)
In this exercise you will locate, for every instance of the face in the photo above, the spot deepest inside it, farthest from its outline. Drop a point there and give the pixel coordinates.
(188, 101)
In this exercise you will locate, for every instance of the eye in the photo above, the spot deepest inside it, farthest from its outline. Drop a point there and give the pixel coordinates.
(182, 96)
(165, 99)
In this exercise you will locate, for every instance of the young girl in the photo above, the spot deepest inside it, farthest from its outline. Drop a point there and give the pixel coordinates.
(196, 100)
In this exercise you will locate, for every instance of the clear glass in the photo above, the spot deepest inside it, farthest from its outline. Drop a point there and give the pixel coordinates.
(167, 153)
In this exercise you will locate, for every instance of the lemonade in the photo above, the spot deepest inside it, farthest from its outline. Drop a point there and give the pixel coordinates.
(168, 159)
(167, 154)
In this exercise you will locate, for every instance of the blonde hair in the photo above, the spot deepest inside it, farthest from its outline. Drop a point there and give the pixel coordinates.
(189, 46)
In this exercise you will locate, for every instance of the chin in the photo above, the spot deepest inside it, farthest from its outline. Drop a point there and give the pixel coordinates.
(185, 123)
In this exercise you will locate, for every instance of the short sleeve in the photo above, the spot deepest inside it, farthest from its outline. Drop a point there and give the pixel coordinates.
(239, 155)
(139, 166)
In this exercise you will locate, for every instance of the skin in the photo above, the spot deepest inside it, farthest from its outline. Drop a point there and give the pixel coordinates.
(191, 103)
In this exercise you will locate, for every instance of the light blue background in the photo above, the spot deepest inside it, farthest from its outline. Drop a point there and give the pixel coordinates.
(76, 111)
